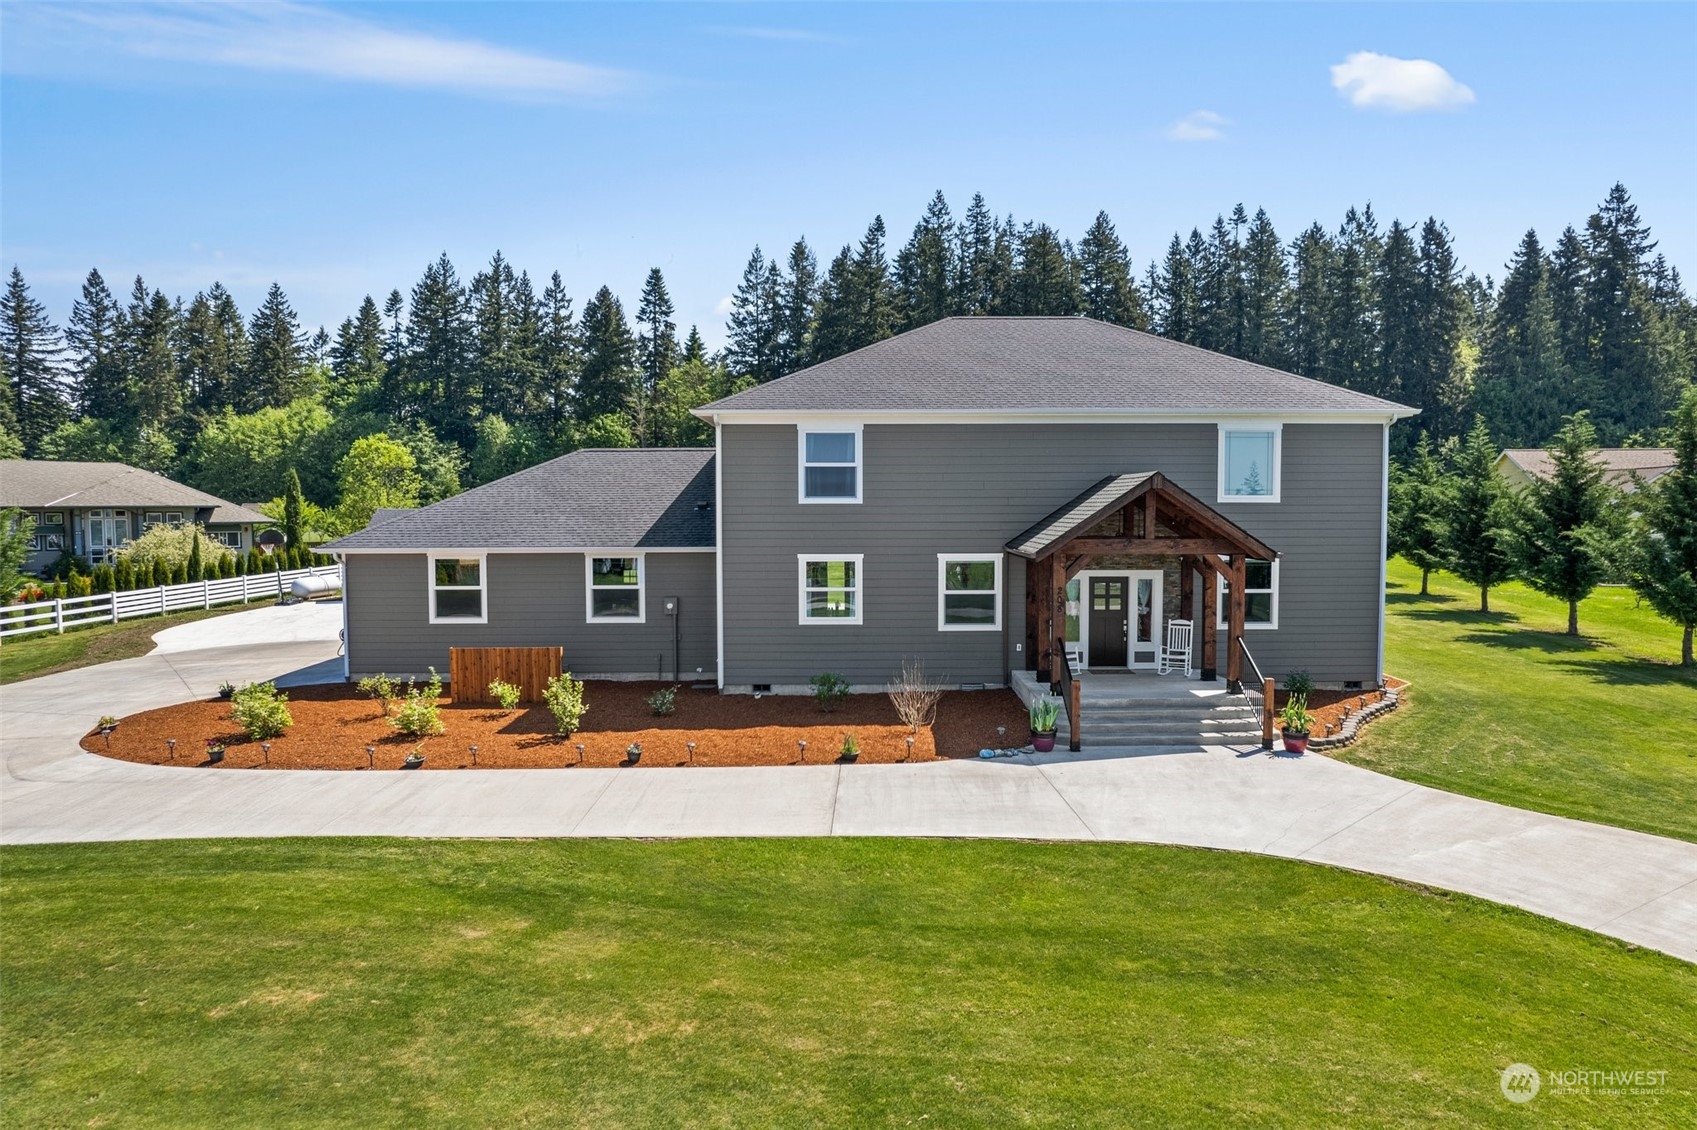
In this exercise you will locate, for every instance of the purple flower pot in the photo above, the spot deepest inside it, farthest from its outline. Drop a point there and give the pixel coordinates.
(1043, 743)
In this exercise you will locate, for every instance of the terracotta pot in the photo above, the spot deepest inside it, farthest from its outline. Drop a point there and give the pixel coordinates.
(1043, 743)
(1296, 741)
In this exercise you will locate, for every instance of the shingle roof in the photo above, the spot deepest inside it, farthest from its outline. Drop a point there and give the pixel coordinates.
(1619, 463)
(1093, 505)
(977, 364)
(602, 498)
(38, 483)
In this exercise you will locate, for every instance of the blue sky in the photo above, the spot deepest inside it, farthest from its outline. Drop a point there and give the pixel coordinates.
(339, 149)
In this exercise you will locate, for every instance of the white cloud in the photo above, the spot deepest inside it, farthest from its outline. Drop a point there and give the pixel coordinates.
(1198, 125)
(1383, 82)
(723, 306)
(297, 38)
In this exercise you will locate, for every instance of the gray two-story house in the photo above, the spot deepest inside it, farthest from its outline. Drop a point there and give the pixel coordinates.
(985, 495)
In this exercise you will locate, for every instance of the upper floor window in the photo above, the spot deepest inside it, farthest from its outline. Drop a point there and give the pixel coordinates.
(830, 464)
(457, 586)
(1249, 463)
(615, 589)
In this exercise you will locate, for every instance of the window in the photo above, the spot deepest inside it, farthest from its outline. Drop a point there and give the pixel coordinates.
(1260, 595)
(230, 538)
(1249, 464)
(152, 518)
(174, 517)
(830, 589)
(457, 590)
(615, 589)
(830, 465)
(969, 592)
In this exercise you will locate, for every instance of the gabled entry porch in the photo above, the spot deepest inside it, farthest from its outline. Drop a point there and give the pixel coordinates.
(1109, 536)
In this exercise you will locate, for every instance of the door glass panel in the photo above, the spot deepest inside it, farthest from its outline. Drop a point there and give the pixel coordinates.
(1145, 613)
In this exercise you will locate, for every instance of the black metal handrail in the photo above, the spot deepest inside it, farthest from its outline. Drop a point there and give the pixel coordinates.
(1253, 666)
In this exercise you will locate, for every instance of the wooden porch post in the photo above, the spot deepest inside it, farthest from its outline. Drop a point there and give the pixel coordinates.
(1043, 584)
(1033, 611)
(1234, 618)
(1058, 602)
(1210, 615)
(1186, 588)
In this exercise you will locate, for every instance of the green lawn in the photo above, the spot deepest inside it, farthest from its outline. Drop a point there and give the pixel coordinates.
(1507, 707)
(25, 657)
(834, 983)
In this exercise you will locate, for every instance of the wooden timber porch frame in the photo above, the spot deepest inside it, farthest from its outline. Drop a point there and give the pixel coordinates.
(1158, 519)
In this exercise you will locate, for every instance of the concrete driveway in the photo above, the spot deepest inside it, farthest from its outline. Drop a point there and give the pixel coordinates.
(1640, 888)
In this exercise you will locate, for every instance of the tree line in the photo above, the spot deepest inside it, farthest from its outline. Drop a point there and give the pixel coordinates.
(458, 382)
(1562, 535)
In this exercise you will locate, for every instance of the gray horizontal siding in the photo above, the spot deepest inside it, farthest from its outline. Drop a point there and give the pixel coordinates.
(970, 488)
(534, 600)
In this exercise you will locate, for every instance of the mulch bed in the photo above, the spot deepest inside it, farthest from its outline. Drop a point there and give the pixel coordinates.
(1330, 708)
(334, 724)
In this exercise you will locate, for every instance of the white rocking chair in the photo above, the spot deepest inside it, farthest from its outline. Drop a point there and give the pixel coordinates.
(1175, 656)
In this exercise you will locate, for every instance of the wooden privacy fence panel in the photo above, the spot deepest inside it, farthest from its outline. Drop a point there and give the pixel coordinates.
(472, 669)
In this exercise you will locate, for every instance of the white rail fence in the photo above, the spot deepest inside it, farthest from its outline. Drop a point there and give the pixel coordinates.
(111, 607)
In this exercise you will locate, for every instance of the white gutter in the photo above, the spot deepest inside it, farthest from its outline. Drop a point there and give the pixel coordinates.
(718, 558)
(1055, 415)
(1384, 540)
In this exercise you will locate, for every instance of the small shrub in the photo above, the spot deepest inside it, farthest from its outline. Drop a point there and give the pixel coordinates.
(851, 747)
(914, 697)
(828, 690)
(564, 699)
(261, 710)
(380, 687)
(419, 715)
(506, 694)
(663, 701)
(1295, 716)
(1299, 683)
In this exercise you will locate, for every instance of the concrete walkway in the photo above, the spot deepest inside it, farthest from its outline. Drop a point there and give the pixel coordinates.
(1633, 886)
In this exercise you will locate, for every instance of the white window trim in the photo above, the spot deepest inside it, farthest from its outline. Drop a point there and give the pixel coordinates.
(802, 432)
(859, 617)
(1278, 468)
(589, 616)
(943, 560)
(1248, 626)
(482, 560)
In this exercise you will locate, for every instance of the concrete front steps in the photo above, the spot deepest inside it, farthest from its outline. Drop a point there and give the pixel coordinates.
(1142, 711)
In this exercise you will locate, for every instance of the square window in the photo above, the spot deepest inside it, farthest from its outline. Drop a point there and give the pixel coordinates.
(830, 465)
(1249, 464)
(969, 592)
(830, 589)
(615, 589)
(457, 590)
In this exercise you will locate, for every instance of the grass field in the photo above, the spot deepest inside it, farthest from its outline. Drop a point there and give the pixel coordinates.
(24, 657)
(797, 983)
(1507, 707)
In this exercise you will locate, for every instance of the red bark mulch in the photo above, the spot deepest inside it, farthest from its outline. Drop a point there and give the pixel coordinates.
(334, 724)
(1330, 708)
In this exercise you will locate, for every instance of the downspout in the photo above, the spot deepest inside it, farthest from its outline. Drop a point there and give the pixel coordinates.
(719, 551)
(1384, 538)
(347, 649)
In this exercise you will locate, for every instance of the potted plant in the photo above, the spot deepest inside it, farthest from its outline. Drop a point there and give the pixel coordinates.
(225, 690)
(1295, 722)
(415, 758)
(851, 748)
(1045, 715)
(214, 750)
(633, 752)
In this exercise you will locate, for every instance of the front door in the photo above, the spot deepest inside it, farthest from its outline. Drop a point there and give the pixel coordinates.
(1109, 624)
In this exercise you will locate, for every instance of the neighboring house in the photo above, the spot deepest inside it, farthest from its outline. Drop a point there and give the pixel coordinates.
(1518, 466)
(981, 494)
(92, 509)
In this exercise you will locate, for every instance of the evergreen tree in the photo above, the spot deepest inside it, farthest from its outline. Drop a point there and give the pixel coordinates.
(441, 347)
(800, 292)
(871, 299)
(694, 348)
(294, 510)
(31, 352)
(1553, 542)
(501, 373)
(752, 346)
(1567, 307)
(1046, 280)
(1215, 263)
(1173, 291)
(1441, 386)
(1479, 518)
(1351, 331)
(148, 348)
(93, 335)
(606, 383)
(1265, 281)
(1107, 290)
(1525, 386)
(975, 241)
(357, 363)
(1420, 497)
(1617, 317)
(999, 273)
(656, 348)
(833, 327)
(1306, 317)
(214, 348)
(1397, 287)
(1658, 553)
(277, 369)
(925, 268)
(559, 358)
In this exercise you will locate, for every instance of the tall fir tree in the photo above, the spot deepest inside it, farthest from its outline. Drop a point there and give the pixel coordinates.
(505, 343)
(439, 368)
(833, 321)
(560, 357)
(656, 349)
(694, 349)
(277, 370)
(1479, 518)
(1046, 280)
(798, 296)
(1265, 281)
(925, 268)
(1173, 293)
(606, 383)
(872, 306)
(358, 366)
(1215, 264)
(1397, 294)
(752, 345)
(1554, 526)
(1441, 386)
(1305, 320)
(1420, 497)
(93, 334)
(1351, 327)
(1107, 290)
(1617, 318)
(975, 241)
(148, 349)
(32, 353)
(1525, 384)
